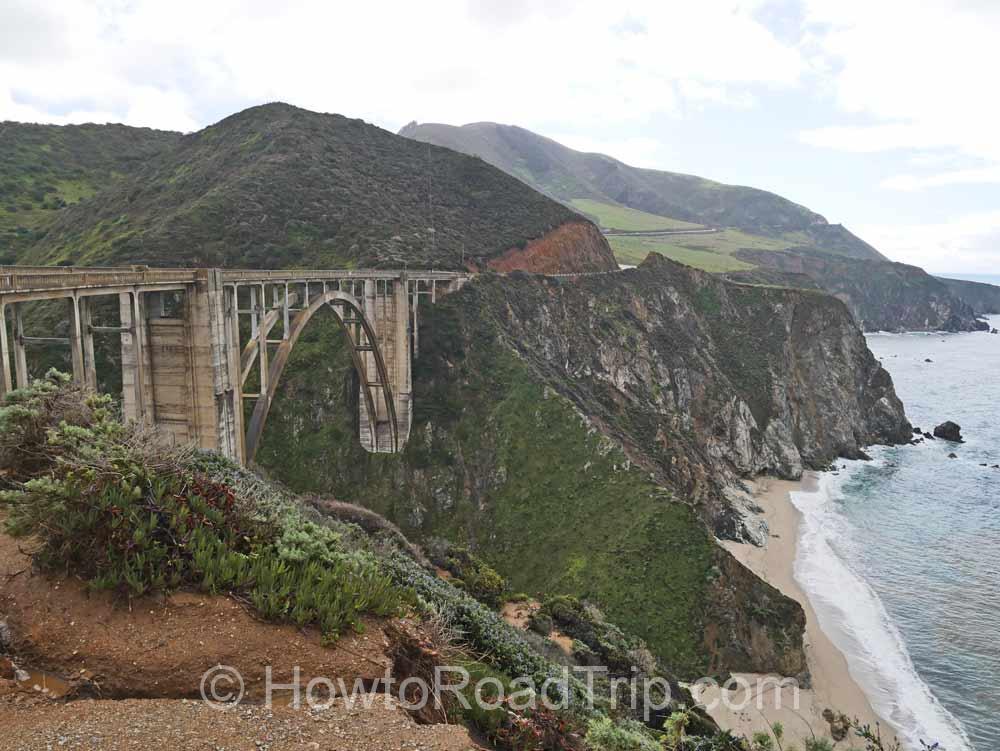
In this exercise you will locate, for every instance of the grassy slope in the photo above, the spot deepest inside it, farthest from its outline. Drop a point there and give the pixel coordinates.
(44, 168)
(609, 216)
(705, 252)
(550, 520)
(278, 186)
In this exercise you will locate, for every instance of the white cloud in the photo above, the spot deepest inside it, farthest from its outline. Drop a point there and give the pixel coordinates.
(180, 64)
(981, 175)
(970, 243)
(918, 75)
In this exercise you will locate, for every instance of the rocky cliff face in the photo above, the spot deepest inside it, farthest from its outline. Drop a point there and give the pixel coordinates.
(883, 296)
(983, 298)
(588, 436)
(692, 374)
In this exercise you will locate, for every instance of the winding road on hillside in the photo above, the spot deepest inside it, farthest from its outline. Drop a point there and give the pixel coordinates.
(656, 232)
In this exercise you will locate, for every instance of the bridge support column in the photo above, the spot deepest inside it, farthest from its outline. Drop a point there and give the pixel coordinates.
(136, 391)
(87, 333)
(402, 386)
(371, 313)
(76, 341)
(20, 356)
(216, 398)
(6, 384)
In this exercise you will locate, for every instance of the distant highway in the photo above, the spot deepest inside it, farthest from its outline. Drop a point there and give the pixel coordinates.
(657, 232)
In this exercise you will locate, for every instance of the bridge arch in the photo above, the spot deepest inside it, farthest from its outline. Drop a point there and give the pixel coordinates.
(366, 356)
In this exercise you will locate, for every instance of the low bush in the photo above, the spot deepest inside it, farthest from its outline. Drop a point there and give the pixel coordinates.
(606, 644)
(541, 623)
(603, 734)
(470, 572)
(106, 503)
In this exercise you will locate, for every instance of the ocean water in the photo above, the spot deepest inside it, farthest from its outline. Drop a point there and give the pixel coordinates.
(987, 278)
(900, 556)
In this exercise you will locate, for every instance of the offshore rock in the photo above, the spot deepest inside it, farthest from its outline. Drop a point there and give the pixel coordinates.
(950, 431)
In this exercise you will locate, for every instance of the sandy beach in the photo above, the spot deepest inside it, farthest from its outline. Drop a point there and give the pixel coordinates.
(832, 685)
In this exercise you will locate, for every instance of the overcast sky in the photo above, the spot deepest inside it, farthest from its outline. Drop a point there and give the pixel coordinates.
(880, 114)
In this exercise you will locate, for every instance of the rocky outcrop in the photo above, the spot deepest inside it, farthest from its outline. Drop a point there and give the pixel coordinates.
(882, 296)
(572, 248)
(950, 431)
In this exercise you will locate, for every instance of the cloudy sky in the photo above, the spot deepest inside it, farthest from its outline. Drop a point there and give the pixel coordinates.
(880, 114)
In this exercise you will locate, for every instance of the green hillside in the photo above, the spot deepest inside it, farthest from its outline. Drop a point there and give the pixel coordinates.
(44, 168)
(277, 186)
(632, 251)
(623, 218)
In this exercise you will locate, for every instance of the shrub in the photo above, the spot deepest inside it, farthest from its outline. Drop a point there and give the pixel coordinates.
(126, 514)
(476, 576)
(604, 735)
(541, 623)
(585, 623)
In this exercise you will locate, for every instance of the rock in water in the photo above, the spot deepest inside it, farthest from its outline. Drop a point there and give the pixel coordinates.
(952, 456)
(949, 431)
(994, 331)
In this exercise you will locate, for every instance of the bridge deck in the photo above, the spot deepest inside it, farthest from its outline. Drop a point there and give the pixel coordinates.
(35, 281)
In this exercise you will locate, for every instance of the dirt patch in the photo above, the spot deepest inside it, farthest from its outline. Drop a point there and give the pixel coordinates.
(571, 248)
(518, 613)
(565, 643)
(161, 647)
(182, 725)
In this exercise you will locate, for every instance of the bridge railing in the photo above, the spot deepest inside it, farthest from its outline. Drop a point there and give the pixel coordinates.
(30, 279)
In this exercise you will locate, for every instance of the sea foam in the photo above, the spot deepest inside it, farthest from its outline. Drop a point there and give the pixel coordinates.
(851, 613)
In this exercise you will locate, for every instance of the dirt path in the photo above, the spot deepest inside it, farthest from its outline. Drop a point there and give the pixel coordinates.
(144, 667)
(180, 725)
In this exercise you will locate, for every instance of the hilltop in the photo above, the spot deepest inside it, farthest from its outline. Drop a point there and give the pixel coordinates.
(277, 186)
(755, 235)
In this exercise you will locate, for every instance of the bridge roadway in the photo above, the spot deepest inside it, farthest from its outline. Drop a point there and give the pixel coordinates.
(197, 343)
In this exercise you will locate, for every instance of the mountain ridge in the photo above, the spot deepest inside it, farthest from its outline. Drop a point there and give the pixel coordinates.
(566, 174)
(757, 236)
(276, 186)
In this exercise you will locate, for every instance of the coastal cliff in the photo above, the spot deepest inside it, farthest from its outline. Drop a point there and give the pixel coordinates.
(589, 435)
(883, 296)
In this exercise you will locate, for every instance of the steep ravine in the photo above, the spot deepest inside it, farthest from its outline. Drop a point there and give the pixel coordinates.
(587, 436)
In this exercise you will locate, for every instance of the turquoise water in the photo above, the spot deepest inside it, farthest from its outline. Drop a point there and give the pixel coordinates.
(901, 555)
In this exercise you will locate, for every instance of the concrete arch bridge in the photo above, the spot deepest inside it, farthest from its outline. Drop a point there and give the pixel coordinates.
(198, 343)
